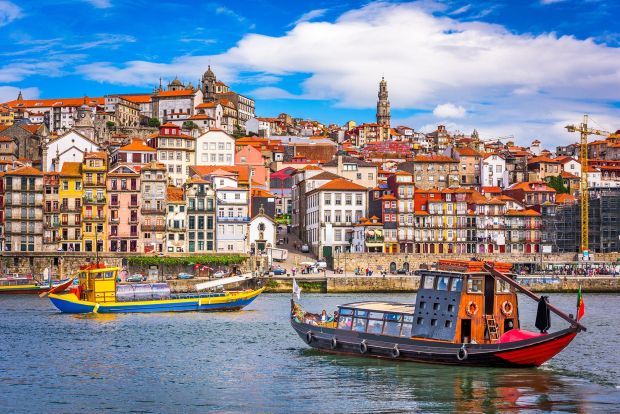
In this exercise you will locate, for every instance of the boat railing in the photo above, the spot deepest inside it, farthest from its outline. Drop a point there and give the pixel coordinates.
(197, 295)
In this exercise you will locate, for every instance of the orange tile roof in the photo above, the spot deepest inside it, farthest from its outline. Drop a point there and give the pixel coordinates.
(311, 167)
(137, 98)
(207, 105)
(543, 158)
(488, 189)
(183, 92)
(200, 116)
(27, 170)
(174, 194)
(71, 169)
(170, 125)
(525, 186)
(433, 158)
(32, 128)
(566, 174)
(137, 145)
(243, 171)
(32, 103)
(565, 199)
(342, 184)
(468, 152)
(388, 197)
(6, 139)
(259, 192)
(527, 213)
(95, 154)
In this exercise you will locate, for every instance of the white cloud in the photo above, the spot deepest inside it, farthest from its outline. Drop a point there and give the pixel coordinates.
(230, 13)
(449, 110)
(509, 82)
(9, 12)
(110, 40)
(9, 93)
(461, 10)
(272, 92)
(311, 15)
(100, 4)
(545, 2)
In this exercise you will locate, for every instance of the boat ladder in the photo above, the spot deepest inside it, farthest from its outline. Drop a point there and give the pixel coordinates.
(492, 328)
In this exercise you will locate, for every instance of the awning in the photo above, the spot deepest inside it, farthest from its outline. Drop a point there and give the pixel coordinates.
(223, 281)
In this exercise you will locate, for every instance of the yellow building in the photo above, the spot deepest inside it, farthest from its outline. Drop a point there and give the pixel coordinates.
(94, 214)
(70, 194)
(7, 115)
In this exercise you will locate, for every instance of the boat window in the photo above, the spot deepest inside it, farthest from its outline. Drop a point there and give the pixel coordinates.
(502, 286)
(344, 322)
(429, 282)
(442, 282)
(360, 312)
(375, 326)
(392, 324)
(408, 318)
(98, 275)
(457, 282)
(376, 315)
(406, 330)
(474, 285)
(359, 324)
(346, 311)
(109, 275)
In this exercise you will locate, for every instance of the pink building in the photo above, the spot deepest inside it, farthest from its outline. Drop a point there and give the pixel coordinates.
(250, 156)
(135, 153)
(123, 188)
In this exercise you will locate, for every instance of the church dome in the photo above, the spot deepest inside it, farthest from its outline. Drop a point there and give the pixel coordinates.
(209, 74)
(190, 87)
(176, 82)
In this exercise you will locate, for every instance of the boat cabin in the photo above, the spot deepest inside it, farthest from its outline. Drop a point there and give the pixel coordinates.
(381, 318)
(97, 283)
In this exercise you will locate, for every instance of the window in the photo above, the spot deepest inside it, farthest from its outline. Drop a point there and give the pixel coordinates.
(345, 319)
(392, 324)
(456, 284)
(429, 282)
(375, 322)
(328, 199)
(442, 282)
(502, 286)
(474, 285)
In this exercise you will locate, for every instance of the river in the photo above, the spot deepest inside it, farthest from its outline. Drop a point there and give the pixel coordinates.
(252, 361)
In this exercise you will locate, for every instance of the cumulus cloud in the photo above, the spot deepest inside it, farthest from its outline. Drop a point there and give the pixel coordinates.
(272, 92)
(311, 15)
(449, 110)
(9, 12)
(9, 93)
(499, 75)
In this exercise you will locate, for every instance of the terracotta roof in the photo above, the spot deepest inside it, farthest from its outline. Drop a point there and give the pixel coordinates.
(259, 192)
(566, 174)
(468, 152)
(311, 168)
(543, 158)
(207, 105)
(243, 171)
(527, 213)
(32, 128)
(169, 125)
(200, 116)
(137, 145)
(182, 92)
(95, 154)
(71, 169)
(565, 199)
(433, 158)
(25, 171)
(527, 187)
(174, 194)
(32, 103)
(137, 98)
(6, 139)
(388, 197)
(325, 175)
(342, 184)
(487, 189)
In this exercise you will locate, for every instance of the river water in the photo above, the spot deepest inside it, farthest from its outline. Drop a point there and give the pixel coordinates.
(252, 361)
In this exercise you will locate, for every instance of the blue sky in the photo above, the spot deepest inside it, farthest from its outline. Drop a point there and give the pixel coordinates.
(522, 68)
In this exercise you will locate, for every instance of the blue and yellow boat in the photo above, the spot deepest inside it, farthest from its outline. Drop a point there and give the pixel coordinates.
(98, 292)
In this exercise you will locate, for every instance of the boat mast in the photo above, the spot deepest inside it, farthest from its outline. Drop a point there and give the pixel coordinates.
(532, 295)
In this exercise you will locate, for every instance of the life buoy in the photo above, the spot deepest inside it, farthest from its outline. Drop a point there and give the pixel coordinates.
(309, 336)
(471, 309)
(334, 343)
(395, 352)
(363, 347)
(507, 308)
(462, 354)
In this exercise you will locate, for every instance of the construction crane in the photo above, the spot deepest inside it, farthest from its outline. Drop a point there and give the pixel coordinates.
(583, 182)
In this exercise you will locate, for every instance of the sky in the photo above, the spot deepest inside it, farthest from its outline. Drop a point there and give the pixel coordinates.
(521, 68)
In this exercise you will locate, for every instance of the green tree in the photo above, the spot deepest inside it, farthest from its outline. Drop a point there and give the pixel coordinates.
(110, 124)
(557, 183)
(189, 125)
(238, 132)
(154, 123)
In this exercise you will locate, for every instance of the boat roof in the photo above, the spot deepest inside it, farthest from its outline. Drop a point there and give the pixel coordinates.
(223, 281)
(395, 307)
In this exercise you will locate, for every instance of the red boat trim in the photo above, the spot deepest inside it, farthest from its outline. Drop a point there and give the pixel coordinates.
(537, 354)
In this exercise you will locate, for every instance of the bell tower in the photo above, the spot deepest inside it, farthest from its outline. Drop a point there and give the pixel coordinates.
(383, 105)
(84, 122)
(208, 86)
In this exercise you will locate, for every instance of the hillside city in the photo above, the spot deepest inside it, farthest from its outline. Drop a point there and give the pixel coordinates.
(192, 169)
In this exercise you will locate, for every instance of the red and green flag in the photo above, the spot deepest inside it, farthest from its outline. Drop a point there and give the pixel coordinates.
(580, 306)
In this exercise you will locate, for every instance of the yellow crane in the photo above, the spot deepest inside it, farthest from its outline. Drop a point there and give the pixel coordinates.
(583, 182)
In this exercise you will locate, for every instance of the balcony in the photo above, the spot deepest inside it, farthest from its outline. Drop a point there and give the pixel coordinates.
(153, 210)
(153, 227)
(115, 220)
(94, 200)
(242, 219)
(49, 240)
(132, 220)
(94, 183)
(94, 218)
(374, 239)
(178, 228)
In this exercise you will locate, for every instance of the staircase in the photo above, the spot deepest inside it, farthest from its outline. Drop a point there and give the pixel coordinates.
(492, 328)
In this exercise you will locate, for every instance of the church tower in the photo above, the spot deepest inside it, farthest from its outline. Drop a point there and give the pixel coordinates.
(208, 86)
(383, 105)
(84, 122)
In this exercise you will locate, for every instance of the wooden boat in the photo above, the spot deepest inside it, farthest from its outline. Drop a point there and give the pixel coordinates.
(466, 313)
(25, 285)
(98, 292)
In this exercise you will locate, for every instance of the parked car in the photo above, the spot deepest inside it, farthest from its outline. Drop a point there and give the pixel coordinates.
(278, 271)
(220, 273)
(321, 264)
(137, 277)
(402, 271)
(185, 276)
(305, 248)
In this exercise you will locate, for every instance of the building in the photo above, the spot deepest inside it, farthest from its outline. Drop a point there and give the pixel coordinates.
(23, 210)
(523, 231)
(493, 172)
(402, 187)
(51, 210)
(176, 220)
(200, 198)
(353, 169)
(68, 147)
(440, 139)
(134, 153)
(542, 168)
(94, 205)
(469, 166)
(383, 105)
(332, 212)
(176, 104)
(233, 218)
(124, 200)
(153, 185)
(253, 158)
(215, 147)
(433, 171)
(175, 150)
(122, 111)
(263, 232)
(70, 194)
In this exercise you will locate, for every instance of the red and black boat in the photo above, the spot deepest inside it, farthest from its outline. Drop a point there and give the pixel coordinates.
(466, 313)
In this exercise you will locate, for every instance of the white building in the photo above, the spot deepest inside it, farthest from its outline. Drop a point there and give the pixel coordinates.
(332, 211)
(232, 220)
(176, 220)
(259, 126)
(175, 150)
(493, 172)
(69, 146)
(571, 165)
(215, 147)
(262, 232)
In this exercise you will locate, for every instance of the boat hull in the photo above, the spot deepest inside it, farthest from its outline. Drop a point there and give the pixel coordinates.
(525, 353)
(23, 290)
(69, 303)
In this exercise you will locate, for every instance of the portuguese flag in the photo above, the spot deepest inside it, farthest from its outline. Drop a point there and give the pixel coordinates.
(580, 305)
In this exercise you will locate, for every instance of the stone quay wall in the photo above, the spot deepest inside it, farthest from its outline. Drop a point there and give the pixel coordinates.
(378, 262)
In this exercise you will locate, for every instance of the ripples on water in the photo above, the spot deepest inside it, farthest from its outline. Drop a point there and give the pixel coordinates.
(252, 361)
